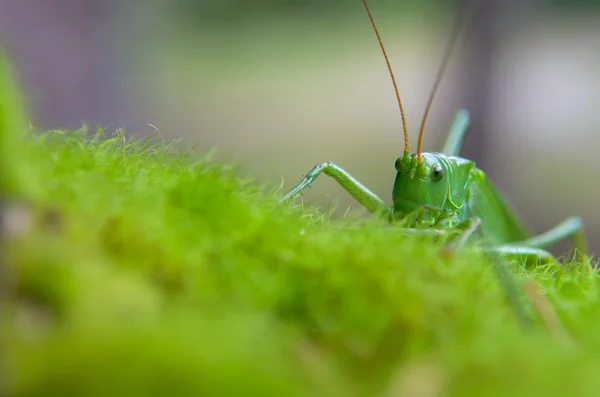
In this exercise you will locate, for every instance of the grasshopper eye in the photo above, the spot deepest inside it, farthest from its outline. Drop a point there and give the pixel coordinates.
(398, 164)
(437, 172)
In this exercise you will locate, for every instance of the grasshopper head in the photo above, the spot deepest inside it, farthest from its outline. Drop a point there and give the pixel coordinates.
(437, 183)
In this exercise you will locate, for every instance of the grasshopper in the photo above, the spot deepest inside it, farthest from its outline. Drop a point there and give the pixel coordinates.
(443, 193)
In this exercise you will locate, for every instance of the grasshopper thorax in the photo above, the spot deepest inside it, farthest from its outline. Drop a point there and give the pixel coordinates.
(437, 183)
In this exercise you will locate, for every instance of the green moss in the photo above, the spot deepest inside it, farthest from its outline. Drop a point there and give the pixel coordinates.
(145, 271)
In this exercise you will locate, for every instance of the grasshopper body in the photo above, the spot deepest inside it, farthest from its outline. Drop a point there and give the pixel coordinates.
(443, 193)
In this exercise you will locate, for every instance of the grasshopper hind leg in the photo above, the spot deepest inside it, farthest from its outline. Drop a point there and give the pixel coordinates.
(527, 255)
(532, 249)
(458, 130)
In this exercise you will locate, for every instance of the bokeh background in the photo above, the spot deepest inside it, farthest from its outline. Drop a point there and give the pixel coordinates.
(280, 85)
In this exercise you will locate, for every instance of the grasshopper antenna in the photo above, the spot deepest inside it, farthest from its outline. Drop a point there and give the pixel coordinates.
(458, 24)
(406, 149)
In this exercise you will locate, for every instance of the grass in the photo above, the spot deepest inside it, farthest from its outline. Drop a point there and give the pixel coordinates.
(132, 268)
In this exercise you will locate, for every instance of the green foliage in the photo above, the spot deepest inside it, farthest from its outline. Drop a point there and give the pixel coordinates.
(136, 269)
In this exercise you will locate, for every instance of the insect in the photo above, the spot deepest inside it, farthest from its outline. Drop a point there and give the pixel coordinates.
(448, 194)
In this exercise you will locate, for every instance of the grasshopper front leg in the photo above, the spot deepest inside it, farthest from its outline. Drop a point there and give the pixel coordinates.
(361, 193)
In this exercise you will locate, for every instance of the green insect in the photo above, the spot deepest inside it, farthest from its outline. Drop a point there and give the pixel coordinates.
(448, 195)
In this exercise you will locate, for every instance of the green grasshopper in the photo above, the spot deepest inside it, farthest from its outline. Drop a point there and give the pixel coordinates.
(447, 194)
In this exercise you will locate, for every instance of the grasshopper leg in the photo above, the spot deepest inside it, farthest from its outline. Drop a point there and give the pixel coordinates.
(570, 228)
(512, 291)
(533, 248)
(525, 254)
(458, 130)
(467, 227)
(361, 193)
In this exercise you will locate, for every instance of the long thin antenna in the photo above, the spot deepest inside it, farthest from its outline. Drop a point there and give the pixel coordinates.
(406, 149)
(458, 24)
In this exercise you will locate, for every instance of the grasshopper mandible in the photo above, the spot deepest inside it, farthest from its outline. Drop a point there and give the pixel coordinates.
(449, 193)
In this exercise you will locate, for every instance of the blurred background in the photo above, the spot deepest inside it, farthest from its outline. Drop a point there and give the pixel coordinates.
(278, 86)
